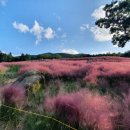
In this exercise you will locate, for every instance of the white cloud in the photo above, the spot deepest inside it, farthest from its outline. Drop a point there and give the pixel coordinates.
(49, 33)
(70, 51)
(3, 2)
(101, 52)
(115, 46)
(21, 27)
(101, 34)
(99, 13)
(37, 30)
(84, 27)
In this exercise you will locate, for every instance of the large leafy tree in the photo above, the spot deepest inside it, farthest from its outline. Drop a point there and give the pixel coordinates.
(117, 19)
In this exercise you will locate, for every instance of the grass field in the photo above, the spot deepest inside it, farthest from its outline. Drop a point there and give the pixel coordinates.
(86, 94)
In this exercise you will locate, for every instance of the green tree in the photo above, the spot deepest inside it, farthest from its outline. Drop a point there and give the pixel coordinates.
(117, 19)
(9, 57)
(25, 57)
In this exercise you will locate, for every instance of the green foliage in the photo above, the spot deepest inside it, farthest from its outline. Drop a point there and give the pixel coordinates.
(117, 19)
(53, 90)
(126, 54)
(3, 79)
(25, 57)
(9, 115)
(13, 69)
(33, 122)
(5, 57)
(9, 74)
(70, 86)
(40, 123)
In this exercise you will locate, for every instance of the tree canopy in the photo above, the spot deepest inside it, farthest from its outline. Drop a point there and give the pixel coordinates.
(117, 19)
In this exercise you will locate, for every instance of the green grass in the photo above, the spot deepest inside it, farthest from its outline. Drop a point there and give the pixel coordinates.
(11, 73)
(9, 115)
(13, 68)
(70, 86)
(3, 79)
(53, 90)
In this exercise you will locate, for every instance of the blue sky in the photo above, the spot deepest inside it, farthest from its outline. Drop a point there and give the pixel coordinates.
(40, 26)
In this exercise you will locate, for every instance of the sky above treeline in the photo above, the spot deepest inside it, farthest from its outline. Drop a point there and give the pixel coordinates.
(41, 26)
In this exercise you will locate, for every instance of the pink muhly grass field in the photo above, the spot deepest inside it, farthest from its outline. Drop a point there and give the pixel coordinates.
(89, 69)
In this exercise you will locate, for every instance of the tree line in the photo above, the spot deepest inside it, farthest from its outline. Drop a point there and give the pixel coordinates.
(26, 57)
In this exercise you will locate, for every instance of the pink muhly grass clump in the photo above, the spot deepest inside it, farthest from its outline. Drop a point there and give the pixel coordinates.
(67, 108)
(97, 111)
(125, 121)
(64, 107)
(13, 95)
(84, 108)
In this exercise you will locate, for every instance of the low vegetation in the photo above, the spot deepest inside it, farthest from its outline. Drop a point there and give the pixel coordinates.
(85, 94)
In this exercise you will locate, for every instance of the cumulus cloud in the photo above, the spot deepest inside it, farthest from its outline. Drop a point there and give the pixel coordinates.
(99, 12)
(70, 51)
(101, 34)
(37, 30)
(3, 2)
(21, 27)
(49, 33)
